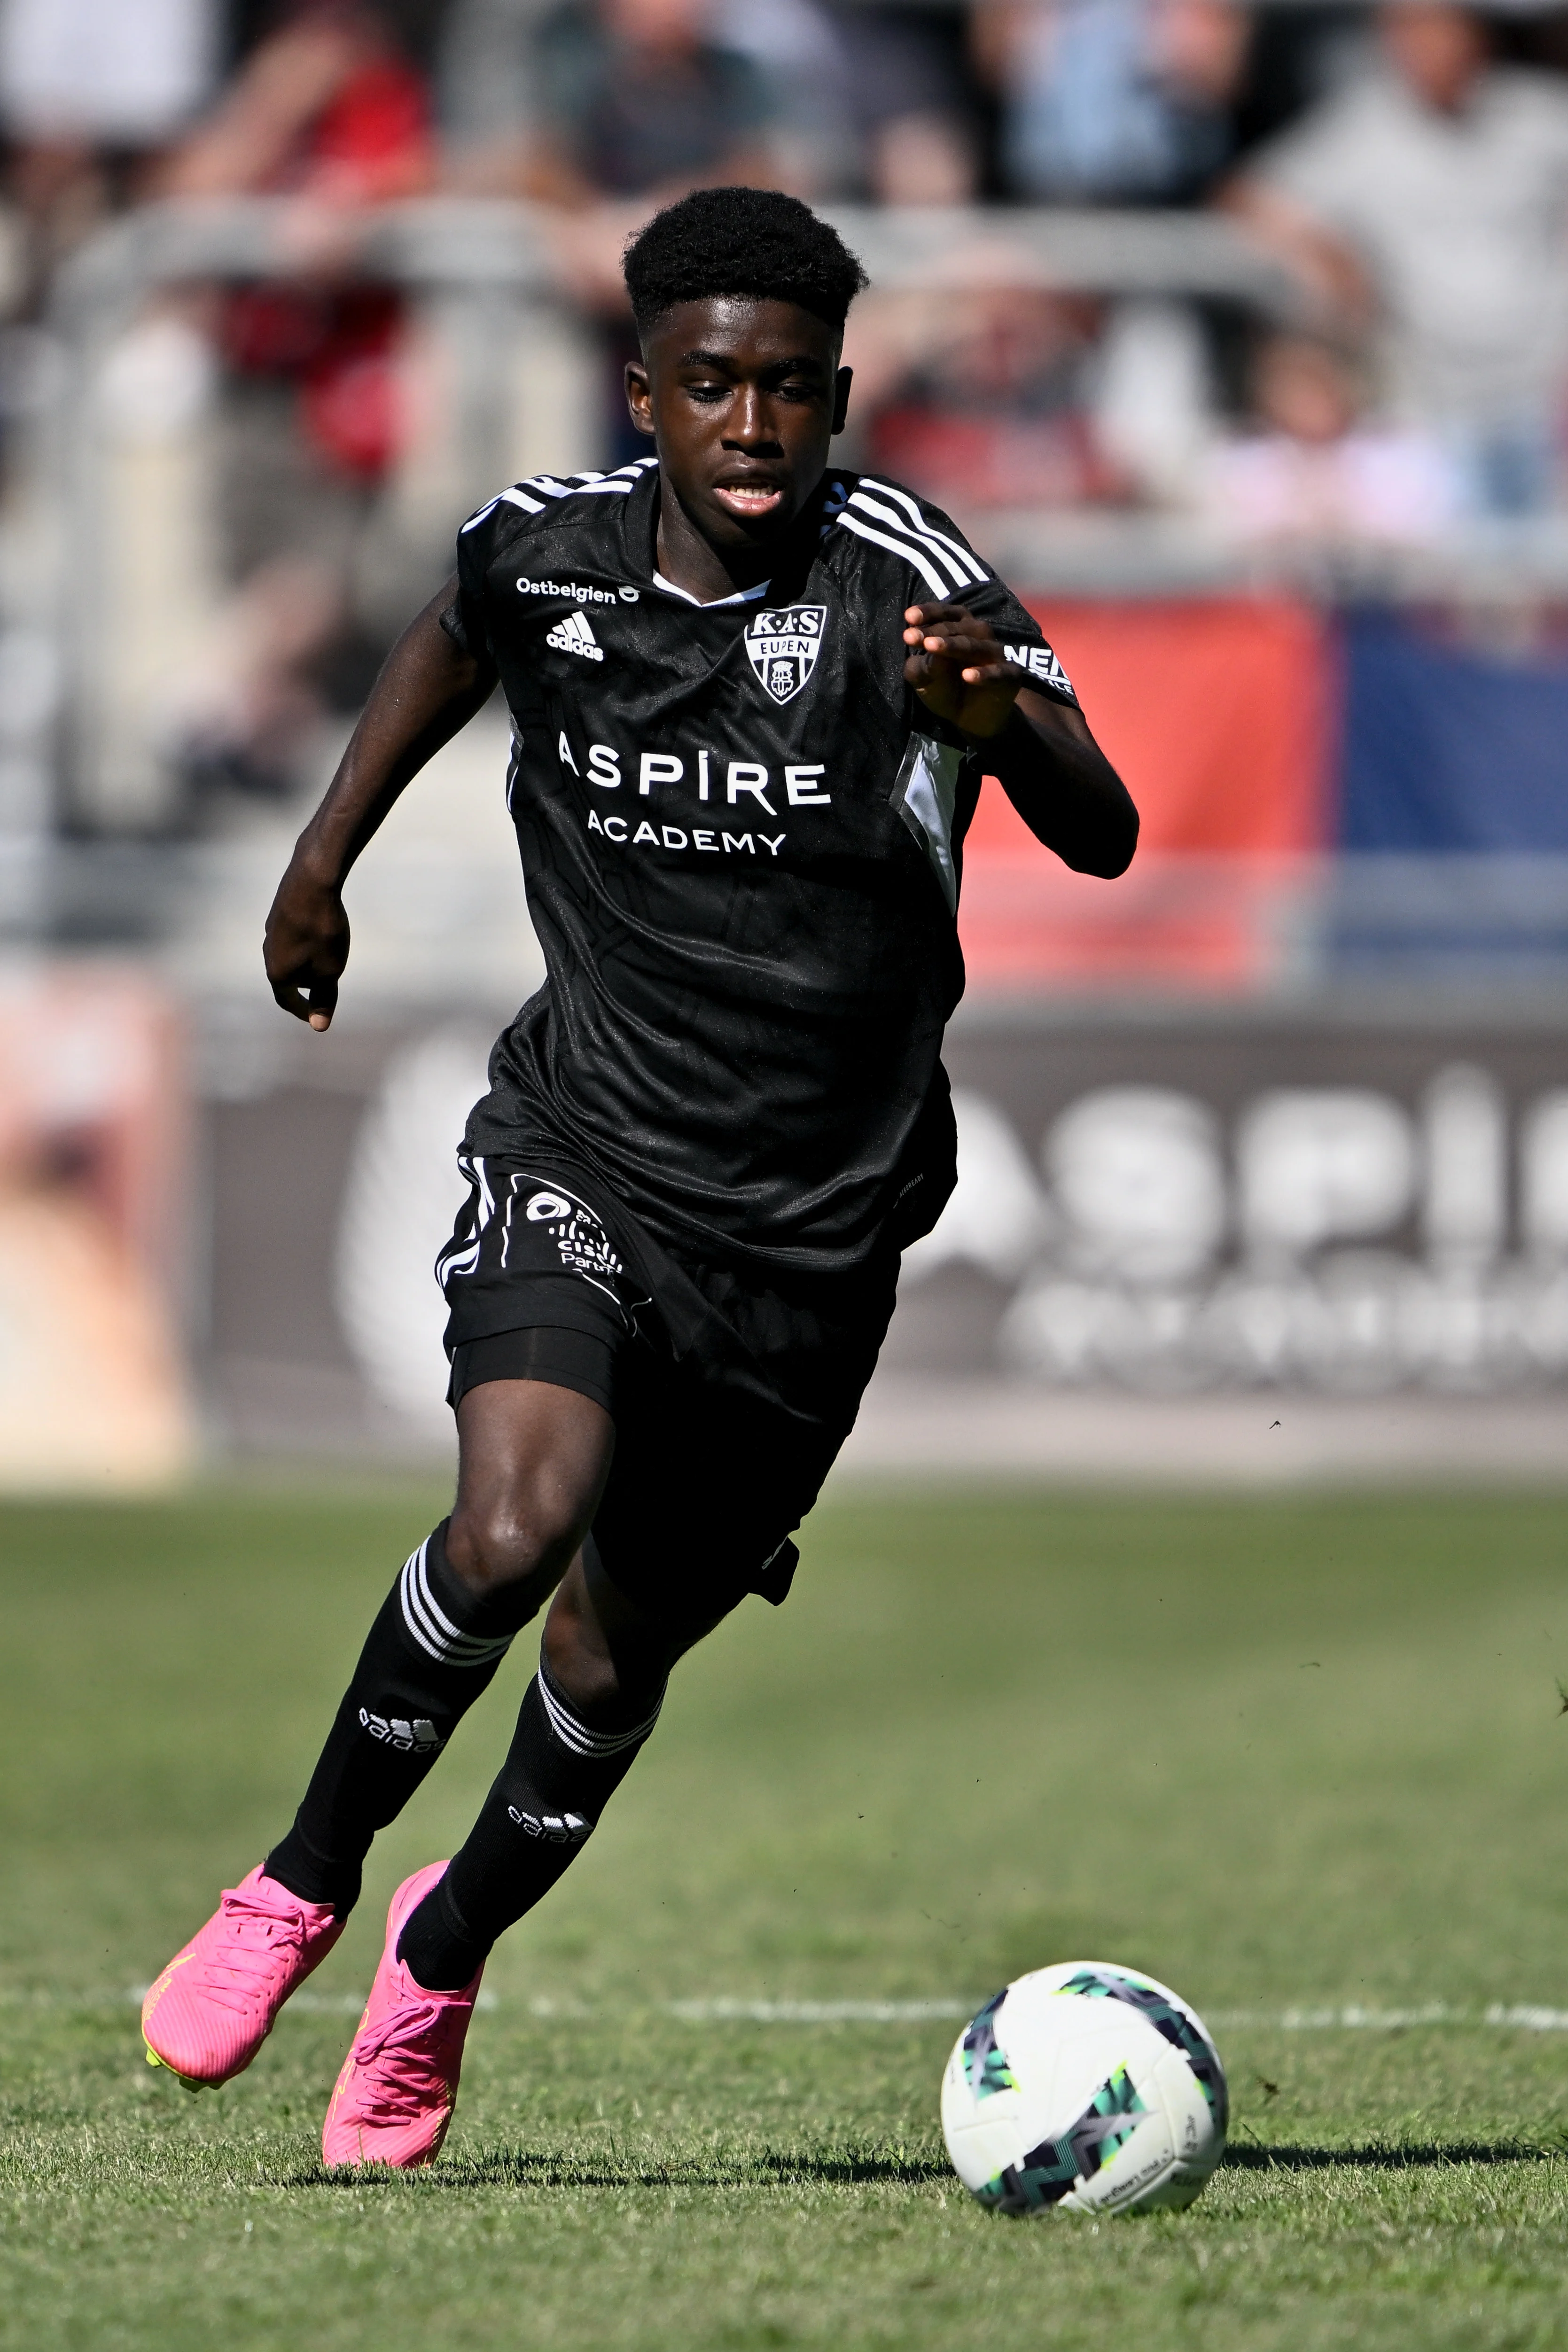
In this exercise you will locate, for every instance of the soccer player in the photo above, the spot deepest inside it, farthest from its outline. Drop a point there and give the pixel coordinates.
(753, 699)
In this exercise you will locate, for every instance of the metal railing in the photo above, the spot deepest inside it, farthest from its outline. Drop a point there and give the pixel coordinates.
(526, 382)
(492, 283)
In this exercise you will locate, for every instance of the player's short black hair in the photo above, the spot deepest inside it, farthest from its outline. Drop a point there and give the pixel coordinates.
(741, 241)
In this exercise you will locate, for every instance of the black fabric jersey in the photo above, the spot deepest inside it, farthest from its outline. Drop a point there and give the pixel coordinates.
(742, 839)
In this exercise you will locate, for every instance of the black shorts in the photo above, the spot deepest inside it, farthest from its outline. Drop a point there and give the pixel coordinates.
(731, 1391)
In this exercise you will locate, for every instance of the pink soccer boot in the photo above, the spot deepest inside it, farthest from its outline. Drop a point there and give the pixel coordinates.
(214, 2005)
(393, 2099)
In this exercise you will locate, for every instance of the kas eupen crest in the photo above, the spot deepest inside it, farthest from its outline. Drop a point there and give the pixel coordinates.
(782, 645)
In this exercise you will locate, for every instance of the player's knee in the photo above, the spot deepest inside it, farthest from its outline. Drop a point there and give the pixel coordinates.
(601, 1669)
(604, 1668)
(527, 1535)
(579, 1660)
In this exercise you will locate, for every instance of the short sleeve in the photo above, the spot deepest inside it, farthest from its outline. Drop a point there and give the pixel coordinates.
(1023, 642)
(465, 626)
(464, 618)
(942, 568)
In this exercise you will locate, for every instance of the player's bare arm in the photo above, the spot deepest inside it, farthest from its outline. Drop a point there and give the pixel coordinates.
(1050, 765)
(427, 691)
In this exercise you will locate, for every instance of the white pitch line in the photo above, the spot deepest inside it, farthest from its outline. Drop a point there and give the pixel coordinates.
(820, 2012)
(1354, 2016)
(730, 2009)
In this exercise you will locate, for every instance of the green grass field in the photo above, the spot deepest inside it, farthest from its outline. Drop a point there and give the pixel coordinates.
(1289, 1754)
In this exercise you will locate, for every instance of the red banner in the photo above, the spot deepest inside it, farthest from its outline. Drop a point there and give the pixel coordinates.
(1218, 714)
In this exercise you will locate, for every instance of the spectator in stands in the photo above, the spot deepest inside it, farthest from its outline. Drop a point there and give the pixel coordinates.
(326, 107)
(485, 77)
(912, 109)
(983, 399)
(89, 91)
(1311, 466)
(489, 87)
(613, 108)
(328, 112)
(1430, 198)
(1114, 101)
(815, 131)
(623, 99)
(836, 96)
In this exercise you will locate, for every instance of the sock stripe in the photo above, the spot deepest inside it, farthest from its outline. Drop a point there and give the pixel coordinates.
(434, 1631)
(575, 1734)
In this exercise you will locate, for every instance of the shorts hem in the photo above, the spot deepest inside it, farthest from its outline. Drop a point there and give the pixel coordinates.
(556, 1354)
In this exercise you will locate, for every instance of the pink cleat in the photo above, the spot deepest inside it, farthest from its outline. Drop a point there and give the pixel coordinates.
(214, 2005)
(394, 2097)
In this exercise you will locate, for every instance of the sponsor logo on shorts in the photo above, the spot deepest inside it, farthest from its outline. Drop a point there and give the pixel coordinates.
(547, 1209)
(584, 1244)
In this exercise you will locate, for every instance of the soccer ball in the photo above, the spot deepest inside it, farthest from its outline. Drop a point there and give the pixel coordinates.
(1084, 2086)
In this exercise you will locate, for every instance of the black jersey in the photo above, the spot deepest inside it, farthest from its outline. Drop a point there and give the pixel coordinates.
(742, 837)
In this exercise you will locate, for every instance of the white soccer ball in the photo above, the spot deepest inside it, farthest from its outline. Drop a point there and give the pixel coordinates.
(1088, 2087)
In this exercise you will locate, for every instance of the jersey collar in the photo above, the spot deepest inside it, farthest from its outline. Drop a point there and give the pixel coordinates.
(641, 512)
(741, 596)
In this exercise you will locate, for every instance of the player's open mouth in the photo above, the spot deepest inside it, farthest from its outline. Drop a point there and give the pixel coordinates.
(752, 501)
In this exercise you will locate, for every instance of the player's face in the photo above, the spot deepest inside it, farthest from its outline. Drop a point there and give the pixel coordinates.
(742, 398)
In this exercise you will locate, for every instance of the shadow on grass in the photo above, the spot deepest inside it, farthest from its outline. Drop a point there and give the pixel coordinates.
(523, 2168)
(1252, 2156)
(518, 2168)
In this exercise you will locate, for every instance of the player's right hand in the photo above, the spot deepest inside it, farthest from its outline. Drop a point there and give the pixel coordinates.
(306, 945)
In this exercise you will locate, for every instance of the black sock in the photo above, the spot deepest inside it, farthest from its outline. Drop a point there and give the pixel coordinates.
(430, 1652)
(558, 1777)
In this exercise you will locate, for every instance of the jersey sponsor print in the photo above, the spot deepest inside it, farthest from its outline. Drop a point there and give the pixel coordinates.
(742, 837)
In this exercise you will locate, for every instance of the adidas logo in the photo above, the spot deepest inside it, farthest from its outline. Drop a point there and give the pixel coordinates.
(419, 1738)
(573, 636)
(559, 1829)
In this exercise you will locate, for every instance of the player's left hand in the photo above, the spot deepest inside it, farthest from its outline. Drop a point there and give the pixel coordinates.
(956, 666)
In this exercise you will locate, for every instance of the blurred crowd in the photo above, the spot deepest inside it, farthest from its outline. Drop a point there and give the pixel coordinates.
(1405, 164)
